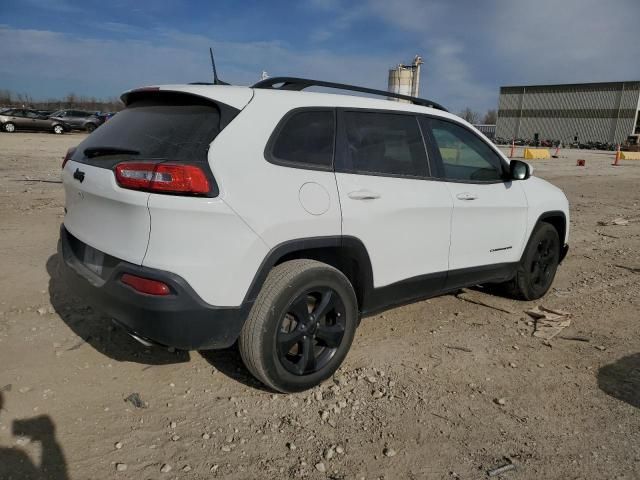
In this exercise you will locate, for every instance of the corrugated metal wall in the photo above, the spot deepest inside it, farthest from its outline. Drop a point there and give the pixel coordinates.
(488, 130)
(599, 112)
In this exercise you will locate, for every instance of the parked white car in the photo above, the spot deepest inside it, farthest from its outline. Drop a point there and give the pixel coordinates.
(202, 215)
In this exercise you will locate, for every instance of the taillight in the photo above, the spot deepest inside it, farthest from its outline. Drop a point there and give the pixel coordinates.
(162, 178)
(68, 156)
(145, 285)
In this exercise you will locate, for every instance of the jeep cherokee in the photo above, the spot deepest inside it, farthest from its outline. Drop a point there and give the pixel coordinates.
(202, 215)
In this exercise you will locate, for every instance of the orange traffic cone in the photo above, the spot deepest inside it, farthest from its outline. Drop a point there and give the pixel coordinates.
(616, 162)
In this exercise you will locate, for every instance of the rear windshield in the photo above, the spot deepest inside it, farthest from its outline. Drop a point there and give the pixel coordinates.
(172, 127)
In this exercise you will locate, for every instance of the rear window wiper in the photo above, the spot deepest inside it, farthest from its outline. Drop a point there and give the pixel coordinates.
(92, 152)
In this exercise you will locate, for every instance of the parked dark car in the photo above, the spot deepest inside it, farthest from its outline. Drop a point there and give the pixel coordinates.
(24, 119)
(94, 121)
(74, 118)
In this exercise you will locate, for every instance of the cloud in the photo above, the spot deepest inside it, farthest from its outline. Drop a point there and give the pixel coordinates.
(53, 63)
(546, 41)
(411, 15)
(117, 27)
(59, 6)
(470, 48)
(571, 41)
(447, 77)
(342, 19)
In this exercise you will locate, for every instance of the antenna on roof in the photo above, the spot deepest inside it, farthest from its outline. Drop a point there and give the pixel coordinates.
(216, 80)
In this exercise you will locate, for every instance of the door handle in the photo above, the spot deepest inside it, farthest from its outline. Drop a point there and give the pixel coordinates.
(363, 195)
(466, 196)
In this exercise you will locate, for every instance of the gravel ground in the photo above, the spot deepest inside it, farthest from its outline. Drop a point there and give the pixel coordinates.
(439, 389)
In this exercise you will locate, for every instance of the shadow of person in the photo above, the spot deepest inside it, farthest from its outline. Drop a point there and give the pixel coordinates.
(98, 330)
(17, 465)
(621, 379)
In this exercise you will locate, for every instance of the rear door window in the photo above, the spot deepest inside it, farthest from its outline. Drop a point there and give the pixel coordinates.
(305, 140)
(382, 144)
(167, 126)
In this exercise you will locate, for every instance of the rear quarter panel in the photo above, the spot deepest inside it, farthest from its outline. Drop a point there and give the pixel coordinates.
(207, 244)
(267, 196)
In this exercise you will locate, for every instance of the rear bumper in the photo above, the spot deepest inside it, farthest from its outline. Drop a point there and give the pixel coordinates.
(181, 320)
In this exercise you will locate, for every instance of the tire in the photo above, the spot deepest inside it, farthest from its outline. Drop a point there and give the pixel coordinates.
(9, 127)
(538, 266)
(91, 127)
(58, 129)
(300, 327)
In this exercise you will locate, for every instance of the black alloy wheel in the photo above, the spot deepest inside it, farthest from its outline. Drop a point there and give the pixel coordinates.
(300, 327)
(310, 331)
(538, 266)
(544, 262)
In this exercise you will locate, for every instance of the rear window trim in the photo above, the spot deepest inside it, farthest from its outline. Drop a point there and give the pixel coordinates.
(226, 114)
(268, 150)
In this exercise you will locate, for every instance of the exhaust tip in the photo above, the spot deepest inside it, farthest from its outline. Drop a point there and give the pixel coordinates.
(143, 341)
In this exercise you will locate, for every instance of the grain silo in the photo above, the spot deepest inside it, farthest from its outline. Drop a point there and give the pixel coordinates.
(405, 79)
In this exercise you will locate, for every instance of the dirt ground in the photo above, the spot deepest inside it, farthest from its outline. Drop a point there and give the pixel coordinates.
(436, 390)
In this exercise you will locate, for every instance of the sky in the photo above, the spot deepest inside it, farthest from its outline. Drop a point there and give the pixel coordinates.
(101, 48)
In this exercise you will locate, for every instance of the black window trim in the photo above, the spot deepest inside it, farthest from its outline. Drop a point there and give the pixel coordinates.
(341, 143)
(268, 149)
(433, 148)
(435, 167)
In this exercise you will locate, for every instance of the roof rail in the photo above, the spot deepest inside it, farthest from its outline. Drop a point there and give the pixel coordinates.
(297, 84)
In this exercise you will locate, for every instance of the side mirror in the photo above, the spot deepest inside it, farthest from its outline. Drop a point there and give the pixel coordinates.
(519, 170)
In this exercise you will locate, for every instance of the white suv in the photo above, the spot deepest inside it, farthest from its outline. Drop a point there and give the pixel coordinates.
(202, 215)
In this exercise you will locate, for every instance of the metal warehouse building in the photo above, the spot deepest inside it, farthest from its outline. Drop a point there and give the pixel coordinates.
(592, 112)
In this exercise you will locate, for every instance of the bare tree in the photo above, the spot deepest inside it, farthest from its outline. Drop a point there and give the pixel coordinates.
(490, 117)
(11, 99)
(71, 99)
(469, 115)
(6, 97)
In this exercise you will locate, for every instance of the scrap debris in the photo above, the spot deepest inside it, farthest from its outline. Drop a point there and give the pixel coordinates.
(455, 347)
(549, 322)
(502, 469)
(631, 269)
(478, 298)
(620, 221)
(576, 339)
(606, 235)
(136, 400)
